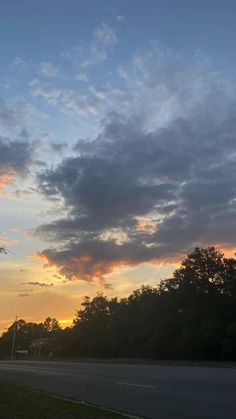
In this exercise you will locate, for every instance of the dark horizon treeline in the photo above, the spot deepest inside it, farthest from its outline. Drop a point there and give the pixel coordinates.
(189, 316)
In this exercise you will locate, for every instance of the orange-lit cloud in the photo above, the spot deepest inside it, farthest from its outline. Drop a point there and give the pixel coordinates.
(92, 267)
(89, 268)
(5, 179)
(15, 158)
(146, 224)
(83, 268)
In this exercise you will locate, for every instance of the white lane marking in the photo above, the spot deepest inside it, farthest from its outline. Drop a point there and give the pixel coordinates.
(135, 385)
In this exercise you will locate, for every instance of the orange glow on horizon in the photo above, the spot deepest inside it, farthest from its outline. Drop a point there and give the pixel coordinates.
(65, 322)
(228, 250)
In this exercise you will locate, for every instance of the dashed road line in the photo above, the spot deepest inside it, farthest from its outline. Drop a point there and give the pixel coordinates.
(135, 385)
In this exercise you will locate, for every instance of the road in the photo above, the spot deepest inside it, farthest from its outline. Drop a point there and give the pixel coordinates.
(147, 391)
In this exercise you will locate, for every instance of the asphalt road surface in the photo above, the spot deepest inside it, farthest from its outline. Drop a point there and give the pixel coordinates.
(147, 391)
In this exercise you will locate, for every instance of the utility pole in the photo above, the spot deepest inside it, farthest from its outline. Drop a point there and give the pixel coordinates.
(13, 339)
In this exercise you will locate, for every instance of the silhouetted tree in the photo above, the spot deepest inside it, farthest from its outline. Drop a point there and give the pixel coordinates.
(191, 315)
(26, 332)
(51, 326)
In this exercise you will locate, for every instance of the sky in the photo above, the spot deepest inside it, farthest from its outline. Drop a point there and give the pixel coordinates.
(117, 146)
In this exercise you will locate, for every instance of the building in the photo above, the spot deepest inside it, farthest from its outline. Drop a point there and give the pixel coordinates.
(42, 347)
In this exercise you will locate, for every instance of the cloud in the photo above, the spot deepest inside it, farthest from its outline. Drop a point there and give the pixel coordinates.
(8, 117)
(91, 260)
(165, 156)
(44, 68)
(38, 284)
(82, 77)
(15, 157)
(120, 18)
(88, 54)
(20, 118)
(50, 95)
(156, 85)
(19, 63)
(23, 293)
(104, 40)
(48, 70)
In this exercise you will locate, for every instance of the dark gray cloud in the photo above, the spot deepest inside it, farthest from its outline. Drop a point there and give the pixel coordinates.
(58, 147)
(15, 157)
(135, 195)
(15, 154)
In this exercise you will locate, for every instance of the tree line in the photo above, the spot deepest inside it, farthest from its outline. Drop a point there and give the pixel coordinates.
(191, 315)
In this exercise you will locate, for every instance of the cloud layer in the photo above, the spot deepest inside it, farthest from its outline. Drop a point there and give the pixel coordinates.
(14, 159)
(157, 180)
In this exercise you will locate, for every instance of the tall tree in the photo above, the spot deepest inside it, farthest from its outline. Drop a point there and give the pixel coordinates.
(204, 271)
(51, 326)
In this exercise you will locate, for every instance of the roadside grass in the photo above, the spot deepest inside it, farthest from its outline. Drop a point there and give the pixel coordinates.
(16, 402)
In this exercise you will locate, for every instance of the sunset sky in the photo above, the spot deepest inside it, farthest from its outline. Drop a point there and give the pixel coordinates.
(117, 146)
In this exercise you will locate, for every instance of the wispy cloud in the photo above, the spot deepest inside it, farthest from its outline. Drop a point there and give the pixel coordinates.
(89, 54)
(120, 18)
(50, 95)
(38, 284)
(82, 77)
(19, 63)
(24, 294)
(48, 70)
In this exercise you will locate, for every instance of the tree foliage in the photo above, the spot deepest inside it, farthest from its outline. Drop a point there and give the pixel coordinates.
(26, 332)
(191, 315)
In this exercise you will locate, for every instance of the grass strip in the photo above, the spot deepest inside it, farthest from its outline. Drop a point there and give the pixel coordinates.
(16, 402)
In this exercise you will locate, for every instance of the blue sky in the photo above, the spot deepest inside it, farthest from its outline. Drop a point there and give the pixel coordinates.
(117, 145)
(37, 28)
